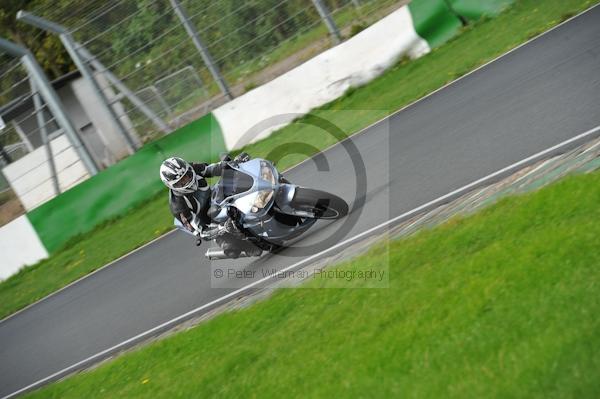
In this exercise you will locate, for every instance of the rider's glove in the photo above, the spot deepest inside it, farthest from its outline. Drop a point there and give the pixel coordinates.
(241, 157)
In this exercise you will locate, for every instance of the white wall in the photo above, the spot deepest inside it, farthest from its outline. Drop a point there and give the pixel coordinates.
(30, 176)
(20, 246)
(323, 78)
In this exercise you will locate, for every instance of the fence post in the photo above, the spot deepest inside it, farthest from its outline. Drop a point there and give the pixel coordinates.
(51, 98)
(326, 17)
(22, 136)
(161, 100)
(39, 114)
(206, 57)
(99, 67)
(85, 70)
(4, 155)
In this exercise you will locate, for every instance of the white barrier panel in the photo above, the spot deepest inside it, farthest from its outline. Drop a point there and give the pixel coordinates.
(30, 176)
(323, 78)
(20, 246)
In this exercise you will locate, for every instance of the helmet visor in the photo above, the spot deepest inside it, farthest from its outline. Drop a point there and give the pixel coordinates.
(185, 180)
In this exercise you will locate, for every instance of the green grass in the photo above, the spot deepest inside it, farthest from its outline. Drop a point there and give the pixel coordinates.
(503, 303)
(401, 85)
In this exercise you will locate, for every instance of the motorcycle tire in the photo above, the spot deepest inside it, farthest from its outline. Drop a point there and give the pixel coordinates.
(321, 204)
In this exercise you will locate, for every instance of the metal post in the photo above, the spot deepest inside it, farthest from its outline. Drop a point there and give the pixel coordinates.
(326, 17)
(135, 100)
(195, 76)
(4, 155)
(160, 99)
(69, 44)
(22, 135)
(39, 114)
(206, 57)
(85, 70)
(52, 101)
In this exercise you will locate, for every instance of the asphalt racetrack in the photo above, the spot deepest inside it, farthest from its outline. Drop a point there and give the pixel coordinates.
(530, 99)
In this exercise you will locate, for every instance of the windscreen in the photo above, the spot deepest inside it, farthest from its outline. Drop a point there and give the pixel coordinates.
(232, 182)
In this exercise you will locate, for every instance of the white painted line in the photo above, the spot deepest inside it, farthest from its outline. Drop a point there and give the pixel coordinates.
(438, 200)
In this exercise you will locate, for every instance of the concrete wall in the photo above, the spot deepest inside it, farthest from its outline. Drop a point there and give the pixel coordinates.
(30, 177)
(322, 79)
(19, 246)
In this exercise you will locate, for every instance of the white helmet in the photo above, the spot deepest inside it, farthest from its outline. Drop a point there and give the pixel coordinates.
(178, 175)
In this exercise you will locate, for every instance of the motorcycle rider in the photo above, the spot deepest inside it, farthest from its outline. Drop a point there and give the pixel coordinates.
(189, 201)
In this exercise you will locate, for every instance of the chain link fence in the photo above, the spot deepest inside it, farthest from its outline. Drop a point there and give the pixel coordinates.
(30, 128)
(146, 46)
(15, 141)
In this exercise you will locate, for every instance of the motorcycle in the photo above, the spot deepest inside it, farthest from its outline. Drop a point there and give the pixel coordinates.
(269, 209)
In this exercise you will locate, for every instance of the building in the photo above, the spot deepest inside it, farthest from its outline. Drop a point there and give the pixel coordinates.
(24, 159)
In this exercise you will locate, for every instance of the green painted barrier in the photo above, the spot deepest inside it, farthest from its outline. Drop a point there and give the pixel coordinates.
(474, 10)
(439, 20)
(122, 186)
(434, 21)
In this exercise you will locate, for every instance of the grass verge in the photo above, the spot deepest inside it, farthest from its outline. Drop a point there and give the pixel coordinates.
(498, 304)
(402, 84)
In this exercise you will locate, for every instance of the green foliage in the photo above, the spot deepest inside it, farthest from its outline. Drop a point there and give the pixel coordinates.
(45, 47)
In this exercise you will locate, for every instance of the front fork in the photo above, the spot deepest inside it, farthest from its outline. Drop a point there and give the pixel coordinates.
(284, 198)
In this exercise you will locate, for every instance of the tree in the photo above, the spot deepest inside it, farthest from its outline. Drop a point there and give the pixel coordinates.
(46, 47)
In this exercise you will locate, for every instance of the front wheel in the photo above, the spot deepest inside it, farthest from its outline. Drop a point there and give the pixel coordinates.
(318, 204)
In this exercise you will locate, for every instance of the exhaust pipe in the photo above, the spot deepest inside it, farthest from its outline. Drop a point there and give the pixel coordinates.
(218, 253)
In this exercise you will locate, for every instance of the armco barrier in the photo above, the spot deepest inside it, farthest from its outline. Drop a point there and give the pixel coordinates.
(119, 188)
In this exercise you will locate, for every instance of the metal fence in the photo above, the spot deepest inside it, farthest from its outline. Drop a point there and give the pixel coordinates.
(16, 139)
(20, 134)
(147, 45)
(34, 120)
(168, 61)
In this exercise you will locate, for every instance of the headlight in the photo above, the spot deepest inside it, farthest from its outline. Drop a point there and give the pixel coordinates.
(262, 199)
(266, 172)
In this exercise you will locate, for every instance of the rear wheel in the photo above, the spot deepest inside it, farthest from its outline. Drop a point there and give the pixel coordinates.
(318, 204)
